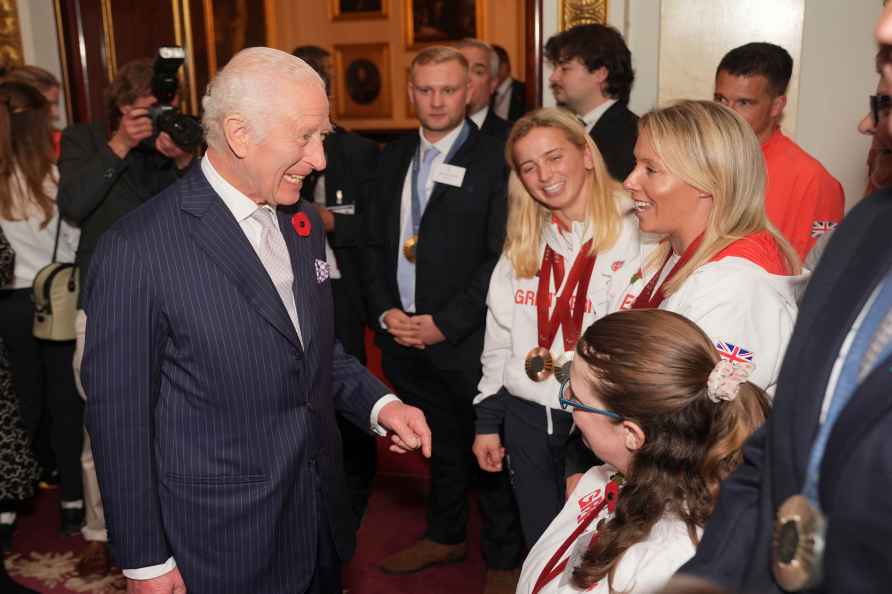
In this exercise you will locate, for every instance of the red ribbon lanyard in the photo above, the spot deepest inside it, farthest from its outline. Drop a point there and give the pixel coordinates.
(553, 569)
(570, 321)
(651, 299)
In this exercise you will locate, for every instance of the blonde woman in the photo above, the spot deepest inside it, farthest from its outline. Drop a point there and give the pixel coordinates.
(570, 251)
(699, 179)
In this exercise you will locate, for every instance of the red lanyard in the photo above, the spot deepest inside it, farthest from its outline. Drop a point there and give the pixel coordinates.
(562, 316)
(553, 569)
(649, 298)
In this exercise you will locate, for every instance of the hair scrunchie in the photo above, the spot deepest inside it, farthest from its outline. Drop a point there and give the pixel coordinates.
(725, 379)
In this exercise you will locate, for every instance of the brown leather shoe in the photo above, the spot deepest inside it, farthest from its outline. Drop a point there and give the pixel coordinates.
(422, 554)
(501, 581)
(94, 560)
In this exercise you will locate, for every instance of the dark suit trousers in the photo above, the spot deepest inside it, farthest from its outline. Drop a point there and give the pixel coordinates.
(44, 383)
(446, 397)
(360, 457)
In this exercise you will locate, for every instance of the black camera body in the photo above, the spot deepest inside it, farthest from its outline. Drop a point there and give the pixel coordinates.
(185, 130)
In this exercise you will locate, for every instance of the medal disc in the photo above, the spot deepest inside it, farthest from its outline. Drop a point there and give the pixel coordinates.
(538, 364)
(798, 544)
(409, 248)
(562, 367)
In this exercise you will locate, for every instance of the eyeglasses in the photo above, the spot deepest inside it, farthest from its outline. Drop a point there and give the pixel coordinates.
(571, 405)
(879, 107)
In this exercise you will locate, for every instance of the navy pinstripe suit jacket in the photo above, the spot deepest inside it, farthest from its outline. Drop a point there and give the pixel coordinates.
(213, 429)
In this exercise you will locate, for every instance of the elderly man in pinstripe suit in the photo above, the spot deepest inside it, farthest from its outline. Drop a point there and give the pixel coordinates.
(211, 361)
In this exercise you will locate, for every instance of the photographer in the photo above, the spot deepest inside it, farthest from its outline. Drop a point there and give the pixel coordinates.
(104, 175)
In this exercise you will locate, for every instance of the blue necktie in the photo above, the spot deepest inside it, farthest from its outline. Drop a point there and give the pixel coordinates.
(420, 195)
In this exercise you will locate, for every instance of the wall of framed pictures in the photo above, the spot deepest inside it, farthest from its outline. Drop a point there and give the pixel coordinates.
(373, 42)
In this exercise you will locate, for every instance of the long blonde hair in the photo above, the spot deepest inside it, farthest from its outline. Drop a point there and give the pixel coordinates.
(527, 217)
(714, 150)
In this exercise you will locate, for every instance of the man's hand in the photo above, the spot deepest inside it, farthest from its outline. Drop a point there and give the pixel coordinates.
(572, 481)
(327, 217)
(402, 328)
(426, 330)
(410, 430)
(135, 126)
(489, 451)
(169, 583)
(165, 145)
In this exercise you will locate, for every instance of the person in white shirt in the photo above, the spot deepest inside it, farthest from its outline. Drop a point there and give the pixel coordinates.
(29, 218)
(572, 246)
(483, 70)
(668, 416)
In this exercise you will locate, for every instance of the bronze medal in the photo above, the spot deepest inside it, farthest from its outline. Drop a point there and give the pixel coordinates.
(409, 248)
(538, 364)
(798, 545)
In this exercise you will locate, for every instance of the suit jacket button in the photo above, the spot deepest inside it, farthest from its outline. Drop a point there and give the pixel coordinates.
(109, 173)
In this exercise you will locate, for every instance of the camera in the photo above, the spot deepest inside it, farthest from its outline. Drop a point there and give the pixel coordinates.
(185, 130)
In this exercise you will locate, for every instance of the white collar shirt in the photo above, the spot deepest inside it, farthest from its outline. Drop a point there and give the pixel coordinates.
(592, 117)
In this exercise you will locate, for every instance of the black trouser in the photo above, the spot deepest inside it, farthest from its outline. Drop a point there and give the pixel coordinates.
(446, 398)
(536, 462)
(360, 456)
(44, 384)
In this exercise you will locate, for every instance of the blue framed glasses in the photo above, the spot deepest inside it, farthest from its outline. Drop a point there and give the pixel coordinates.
(571, 405)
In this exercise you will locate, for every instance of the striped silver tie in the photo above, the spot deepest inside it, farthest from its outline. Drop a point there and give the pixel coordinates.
(274, 255)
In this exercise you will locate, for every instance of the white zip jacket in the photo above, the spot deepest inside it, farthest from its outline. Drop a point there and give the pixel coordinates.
(511, 323)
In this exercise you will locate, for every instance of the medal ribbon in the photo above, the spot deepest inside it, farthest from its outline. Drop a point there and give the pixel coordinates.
(650, 298)
(553, 569)
(417, 209)
(579, 278)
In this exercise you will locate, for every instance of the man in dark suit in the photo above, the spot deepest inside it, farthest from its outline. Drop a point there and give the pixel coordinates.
(483, 65)
(592, 76)
(835, 384)
(436, 232)
(211, 364)
(509, 101)
(339, 196)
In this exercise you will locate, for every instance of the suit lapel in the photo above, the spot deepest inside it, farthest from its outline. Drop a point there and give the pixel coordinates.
(221, 238)
(815, 358)
(462, 158)
(394, 218)
(303, 263)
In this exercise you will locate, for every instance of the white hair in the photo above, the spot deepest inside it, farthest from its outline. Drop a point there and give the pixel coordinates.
(247, 85)
(482, 45)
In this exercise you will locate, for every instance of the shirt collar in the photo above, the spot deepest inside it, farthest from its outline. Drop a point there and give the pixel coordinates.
(480, 117)
(592, 117)
(238, 204)
(444, 145)
(503, 88)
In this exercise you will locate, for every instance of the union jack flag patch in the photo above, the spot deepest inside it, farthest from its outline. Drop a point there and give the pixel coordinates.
(819, 228)
(734, 353)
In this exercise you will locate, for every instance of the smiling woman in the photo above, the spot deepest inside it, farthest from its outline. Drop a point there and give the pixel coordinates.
(571, 244)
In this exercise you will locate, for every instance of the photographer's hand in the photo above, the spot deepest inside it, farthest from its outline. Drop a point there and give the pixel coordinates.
(134, 127)
(165, 145)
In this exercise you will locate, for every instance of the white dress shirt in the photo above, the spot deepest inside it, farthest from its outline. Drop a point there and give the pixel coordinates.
(592, 117)
(480, 116)
(242, 208)
(502, 104)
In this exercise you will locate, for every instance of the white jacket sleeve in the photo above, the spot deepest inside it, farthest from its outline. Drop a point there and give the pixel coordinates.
(497, 340)
(739, 304)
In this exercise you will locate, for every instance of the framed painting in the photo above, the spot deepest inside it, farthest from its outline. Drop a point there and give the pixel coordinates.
(581, 12)
(441, 21)
(343, 10)
(363, 87)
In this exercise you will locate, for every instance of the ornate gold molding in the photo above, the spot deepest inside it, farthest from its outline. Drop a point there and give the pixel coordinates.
(581, 12)
(10, 35)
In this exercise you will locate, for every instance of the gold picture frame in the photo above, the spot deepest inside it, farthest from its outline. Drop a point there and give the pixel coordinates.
(10, 35)
(431, 22)
(363, 88)
(348, 10)
(581, 12)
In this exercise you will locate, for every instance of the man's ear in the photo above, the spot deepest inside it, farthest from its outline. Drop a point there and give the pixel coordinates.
(409, 88)
(633, 436)
(777, 107)
(238, 136)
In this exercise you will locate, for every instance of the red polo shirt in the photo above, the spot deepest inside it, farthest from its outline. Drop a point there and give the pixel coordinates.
(802, 199)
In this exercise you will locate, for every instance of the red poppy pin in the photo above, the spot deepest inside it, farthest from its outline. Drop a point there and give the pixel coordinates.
(617, 265)
(301, 223)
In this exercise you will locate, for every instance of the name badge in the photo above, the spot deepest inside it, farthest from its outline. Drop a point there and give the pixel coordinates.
(347, 209)
(450, 174)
